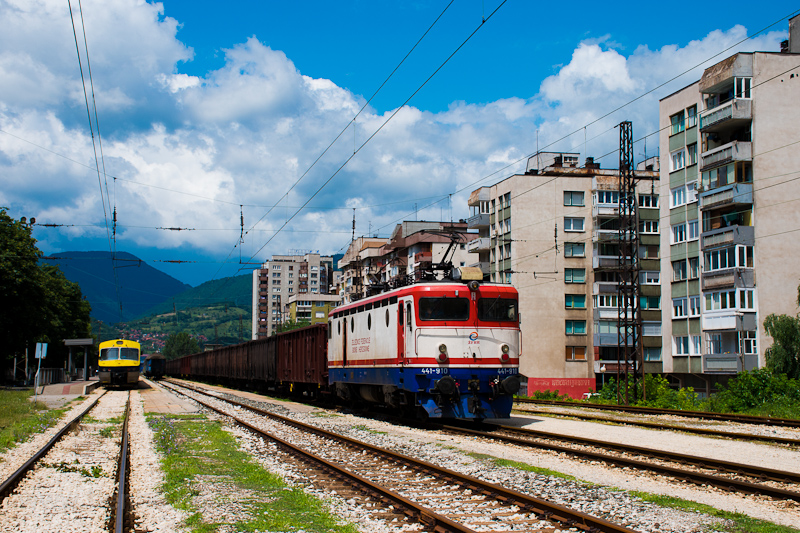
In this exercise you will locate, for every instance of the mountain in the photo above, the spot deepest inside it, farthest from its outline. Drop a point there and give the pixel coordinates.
(141, 286)
(236, 291)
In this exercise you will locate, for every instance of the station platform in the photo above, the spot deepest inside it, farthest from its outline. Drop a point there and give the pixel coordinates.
(57, 395)
(156, 400)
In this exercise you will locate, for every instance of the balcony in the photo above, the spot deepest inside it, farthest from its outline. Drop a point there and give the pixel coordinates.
(608, 210)
(484, 244)
(730, 115)
(478, 221)
(605, 261)
(727, 153)
(733, 194)
(728, 236)
(605, 235)
(719, 279)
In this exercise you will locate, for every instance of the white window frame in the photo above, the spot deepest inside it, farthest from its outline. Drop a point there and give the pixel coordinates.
(571, 196)
(607, 198)
(650, 277)
(648, 226)
(677, 235)
(695, 308)
(677, 160)
(679, 309)
(677, 197)
(692, 230)
(648, 200)
(569, 249)
(680, 344)
(570, 222)
(749, 342)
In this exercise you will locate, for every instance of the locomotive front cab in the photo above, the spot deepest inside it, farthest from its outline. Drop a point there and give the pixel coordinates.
(119, 362)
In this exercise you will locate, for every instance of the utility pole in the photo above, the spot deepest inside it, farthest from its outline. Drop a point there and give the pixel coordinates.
(629, 318)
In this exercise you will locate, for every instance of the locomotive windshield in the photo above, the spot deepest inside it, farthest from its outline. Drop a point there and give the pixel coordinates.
(444, 309)
(497, 309)
(113, 354)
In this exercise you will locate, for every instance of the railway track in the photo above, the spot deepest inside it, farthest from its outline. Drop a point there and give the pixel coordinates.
(76, 481)
(439, 499)
(742, 419)
(725, 475)
(671, 427)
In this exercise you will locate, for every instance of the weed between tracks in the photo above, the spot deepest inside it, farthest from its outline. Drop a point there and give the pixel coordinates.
(222, 487)
(735, 522)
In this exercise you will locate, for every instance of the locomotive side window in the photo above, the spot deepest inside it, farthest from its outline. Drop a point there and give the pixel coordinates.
(497, 310)
(369, 321)
(408, 314)
(339, 330)
(352, 324)
(387, 318)
(400, 315)
(444, 309)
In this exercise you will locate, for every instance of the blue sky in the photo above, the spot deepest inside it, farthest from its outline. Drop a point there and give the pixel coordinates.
(204, 107)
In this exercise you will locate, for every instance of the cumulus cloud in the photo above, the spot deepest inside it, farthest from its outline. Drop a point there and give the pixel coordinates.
(189, 150)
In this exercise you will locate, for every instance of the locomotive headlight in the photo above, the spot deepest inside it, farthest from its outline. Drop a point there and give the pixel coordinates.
(504, 357)
(442, 348)
(442, 357)
(505, 348)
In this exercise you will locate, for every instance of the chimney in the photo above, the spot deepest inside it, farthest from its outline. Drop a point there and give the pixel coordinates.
(794, 35)
(558, 161)
(590, 163)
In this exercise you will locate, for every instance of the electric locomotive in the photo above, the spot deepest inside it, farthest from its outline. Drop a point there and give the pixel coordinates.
(119, 362)
(444, 349)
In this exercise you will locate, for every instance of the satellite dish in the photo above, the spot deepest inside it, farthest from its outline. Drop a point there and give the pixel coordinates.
(33, 221)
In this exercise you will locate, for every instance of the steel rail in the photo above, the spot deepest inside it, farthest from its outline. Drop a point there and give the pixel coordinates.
(542, 508)
(10, 484)
(745, 419)
(122, 467)
(672, 427)
(698, 478)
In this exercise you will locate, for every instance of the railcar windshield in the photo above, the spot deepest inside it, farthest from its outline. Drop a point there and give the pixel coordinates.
(497, 310)
(444, 309)
(114, 354)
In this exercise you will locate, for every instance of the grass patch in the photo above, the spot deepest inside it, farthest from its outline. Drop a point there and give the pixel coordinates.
(734, 522)
(521, 466)
(364, 428)
(325, 414)
(20, 418)
(203, 462)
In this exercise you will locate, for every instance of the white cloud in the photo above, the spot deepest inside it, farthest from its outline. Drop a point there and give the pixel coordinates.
(243, 134)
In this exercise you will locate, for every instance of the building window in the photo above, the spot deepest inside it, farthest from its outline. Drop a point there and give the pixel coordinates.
(680, 345)
(749, 342)
(727, 258)
(651, 329)
(694, 306)
(691, 117)
(605, 300)
(576, 327)
(573, 198)
(649, 302)
(692, 226)
(574, 275)
(648, 226)
(677, 197)
(677, 160)
(679, 308)
(678, 234)
(607, 197)
(650, 277)
(691, 154)
(716, 301)
(576, 353)
(649, 251)
(276, 267)
(747, 299)
(677, 123)
(652, 354)
(743, 87)
(648, 200)
(574, 249)
(575, 301)
(694, 267)
(573, 223)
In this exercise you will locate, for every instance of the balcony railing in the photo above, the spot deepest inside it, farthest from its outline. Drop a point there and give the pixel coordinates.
(726, 115)
(478, 221)
(728, 236)
(727, 153)
(735, 193)
(484, 244)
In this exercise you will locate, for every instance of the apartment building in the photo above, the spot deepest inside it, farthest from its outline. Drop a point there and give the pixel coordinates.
(551, 233)
(281, 278)
(729, 211)
(311, 308)
(413, 249)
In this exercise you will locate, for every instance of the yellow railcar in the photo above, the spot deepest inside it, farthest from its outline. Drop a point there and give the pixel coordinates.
(119, 362)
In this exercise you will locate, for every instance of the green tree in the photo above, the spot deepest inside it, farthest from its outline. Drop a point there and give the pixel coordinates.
(178, 345)
(783, 356)
(39, 303)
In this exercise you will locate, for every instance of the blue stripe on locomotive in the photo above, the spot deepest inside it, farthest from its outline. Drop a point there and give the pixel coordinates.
(420, 382)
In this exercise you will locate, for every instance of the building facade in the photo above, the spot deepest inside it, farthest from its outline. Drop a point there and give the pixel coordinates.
(730, 206)
(551, 233)
(311, 308)
(281, 278)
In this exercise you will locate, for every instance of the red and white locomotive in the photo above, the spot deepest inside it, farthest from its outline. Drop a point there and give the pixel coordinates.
(450, 348)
